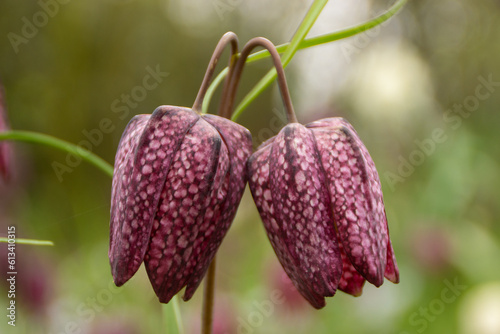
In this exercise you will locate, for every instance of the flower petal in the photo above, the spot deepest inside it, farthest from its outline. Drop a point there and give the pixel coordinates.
(124, 163)
(258, 170)
(356, 197)
(303, 209)
(5, 148)
(143, 184)
(180, 225)
(239, 144)
(351, 282)
(125, 152)
(391, 269)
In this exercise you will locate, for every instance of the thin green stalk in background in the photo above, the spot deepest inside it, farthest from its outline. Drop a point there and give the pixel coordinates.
(336, 35)
(172, 317)
(306, 43)
(29, 241)
(43, 139)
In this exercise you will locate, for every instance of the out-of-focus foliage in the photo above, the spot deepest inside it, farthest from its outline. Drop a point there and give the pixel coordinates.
(416, 89)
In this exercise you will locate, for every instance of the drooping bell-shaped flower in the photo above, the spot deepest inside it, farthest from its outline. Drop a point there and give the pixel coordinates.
(5, 149)
(179, 177)
(177, 183)
(319, 195)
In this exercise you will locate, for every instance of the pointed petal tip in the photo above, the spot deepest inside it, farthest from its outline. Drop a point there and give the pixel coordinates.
(393, 278)
(319, 306)
(391, 268)
(392, 274)
(318, 302)
(378, 281)
(187, 296)
(165, 299)
(119, 281)
(122, 272)
(120, 277)
(355, 292)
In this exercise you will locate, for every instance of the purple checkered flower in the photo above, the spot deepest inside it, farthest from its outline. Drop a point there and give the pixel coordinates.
(178, 179)
(5, 151)
(319, 195)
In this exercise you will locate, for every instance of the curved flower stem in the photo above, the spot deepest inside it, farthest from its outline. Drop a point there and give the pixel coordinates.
(34, 242)
(43, 139)
(235, 77)
(228, 37)
(307, 43)
(208, 300)
(299, 35)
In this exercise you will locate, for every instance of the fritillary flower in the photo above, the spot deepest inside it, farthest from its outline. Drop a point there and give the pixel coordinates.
(178, 179)
(319, 195)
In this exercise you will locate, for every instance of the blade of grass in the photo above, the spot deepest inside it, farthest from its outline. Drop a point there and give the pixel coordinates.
(43, 139)
(29, 241)
(336, 35)
(172, 317)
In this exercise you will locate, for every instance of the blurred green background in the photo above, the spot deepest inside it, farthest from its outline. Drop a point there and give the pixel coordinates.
(423, 92)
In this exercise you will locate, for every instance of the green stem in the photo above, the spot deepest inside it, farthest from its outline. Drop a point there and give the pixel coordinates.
(307, 43)
(208, 300)
(211, 89)
(172, 317)
(43, 139)
(301, 33)
(29, 241)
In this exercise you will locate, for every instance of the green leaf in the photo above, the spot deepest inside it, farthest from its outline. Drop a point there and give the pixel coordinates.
(29, 241)
(43, 139)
